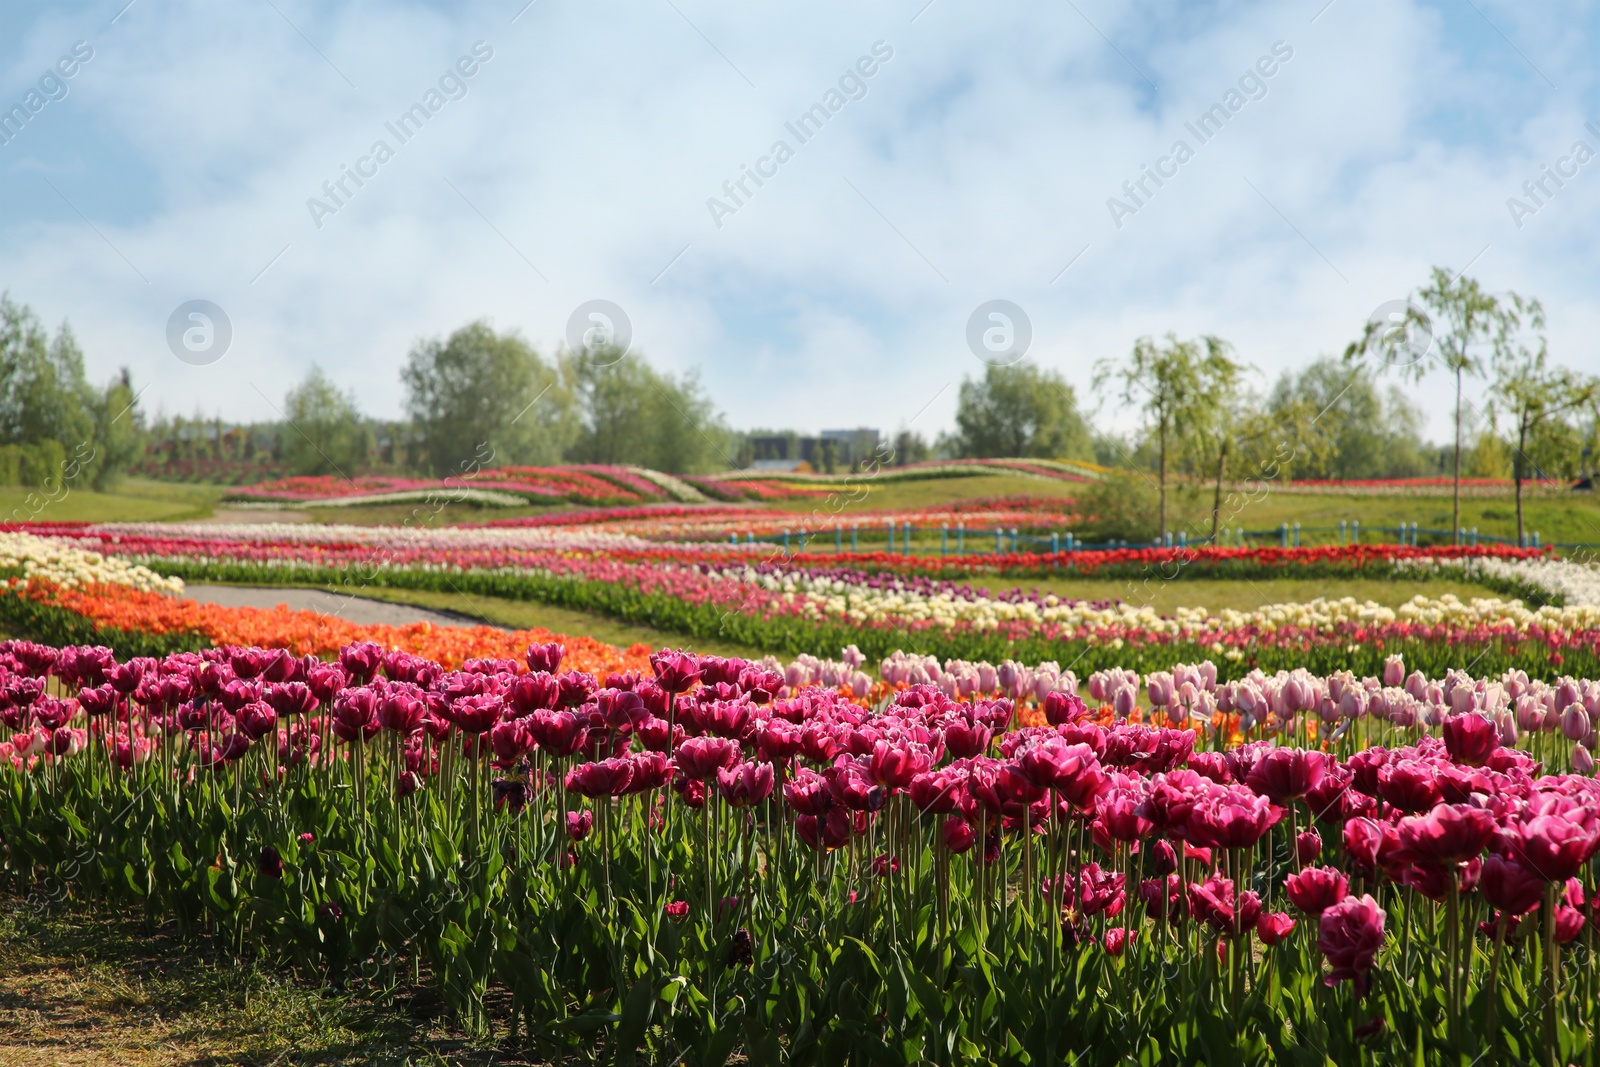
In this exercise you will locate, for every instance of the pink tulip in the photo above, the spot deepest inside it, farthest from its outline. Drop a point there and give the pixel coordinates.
(1316, 889)
(579, 823)
(1449, 834)
(1273, 927)
(745, 784)
(1350, 934)
(1470, 738)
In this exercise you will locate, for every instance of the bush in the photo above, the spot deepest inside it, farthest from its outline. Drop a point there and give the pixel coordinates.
(1122, 506)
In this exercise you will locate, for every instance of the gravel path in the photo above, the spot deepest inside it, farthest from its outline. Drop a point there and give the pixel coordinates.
(358, 610)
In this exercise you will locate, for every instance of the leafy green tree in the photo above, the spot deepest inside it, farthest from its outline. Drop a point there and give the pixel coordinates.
(479, 398)
(1349, 428)
(1463, 321)
(61, 427)
(323, 431)
(1019, 411)
(1179, 387)
(1537, 398)
(118, 429)
(630, 413)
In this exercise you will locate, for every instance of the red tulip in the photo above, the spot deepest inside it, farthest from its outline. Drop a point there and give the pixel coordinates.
(700, 757)
(826, 832)
(677, 910)
(1062, 708)
(560, 733)
(745, 784)
(401, 708)
(676, 671)
(579, 824)
(1118, 938)
(1120, 812)
(1285, 773)
(1470, 738)
(958, 834)
(1101, 891)
(603, 778)
(963, 739)
(1556, 845)
(1409, 786)
(1308, 846)
(1316, 889)
(546, 657)
(1273, 927)
(1350, 934)
(1509, 886)
(476, 714)
(1449, 834)
(270, 864)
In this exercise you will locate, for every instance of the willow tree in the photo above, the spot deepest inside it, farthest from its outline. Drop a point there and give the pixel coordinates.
(1183, 389)
(1467, 329)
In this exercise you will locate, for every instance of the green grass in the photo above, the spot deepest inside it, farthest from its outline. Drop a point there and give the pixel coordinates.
(134, 500)
(1217, 594)
(87, 986)
(1571, 517)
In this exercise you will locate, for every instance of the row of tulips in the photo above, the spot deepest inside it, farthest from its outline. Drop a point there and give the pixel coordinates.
(789, 611)
(707, 860)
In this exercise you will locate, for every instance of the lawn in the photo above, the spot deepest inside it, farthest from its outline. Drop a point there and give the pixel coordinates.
(1217, 594)
(134, 500)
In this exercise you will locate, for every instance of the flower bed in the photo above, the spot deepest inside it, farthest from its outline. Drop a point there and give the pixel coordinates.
(696, 862)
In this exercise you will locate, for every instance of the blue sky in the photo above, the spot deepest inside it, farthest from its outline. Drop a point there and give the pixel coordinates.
(977, 165)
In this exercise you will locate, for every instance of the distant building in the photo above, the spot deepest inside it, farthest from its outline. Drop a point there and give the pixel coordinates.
(830, 451)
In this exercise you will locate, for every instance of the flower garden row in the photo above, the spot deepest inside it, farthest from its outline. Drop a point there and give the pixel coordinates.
(703, 857)
(790, 608)
(593, 484)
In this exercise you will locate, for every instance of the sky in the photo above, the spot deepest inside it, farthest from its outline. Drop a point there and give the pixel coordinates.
(559, 153)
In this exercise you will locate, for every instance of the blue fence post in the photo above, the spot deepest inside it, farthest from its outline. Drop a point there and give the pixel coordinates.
(1013, 538)
(1055, 542)
(1342, 529)
(907, 539)
(1536, 539)
(1072, 542)
(1183, 538)
(1474, 537)
(1297, 534)
(1283, 535)
(891, 535)
(961, 538)
(998, 534)
(1355, 531)
(855, 530)
(733, 537)
(944, 539)
(838, 536)
(785, 542)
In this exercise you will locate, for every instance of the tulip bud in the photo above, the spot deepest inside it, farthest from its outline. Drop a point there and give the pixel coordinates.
(1575, 722)
(1582, 761)
(1394, 670)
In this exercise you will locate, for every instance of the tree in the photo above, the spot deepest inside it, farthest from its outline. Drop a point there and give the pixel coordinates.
(1019, 411)
(628, 412)
(482, 398)
(324, 432)
(1535, 396)
(1346, 427)
(119, 431)
(1461, 319)
(1180, 388)
(58, 426)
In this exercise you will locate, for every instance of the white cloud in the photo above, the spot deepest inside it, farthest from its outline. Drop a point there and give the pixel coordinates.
(990, 142)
